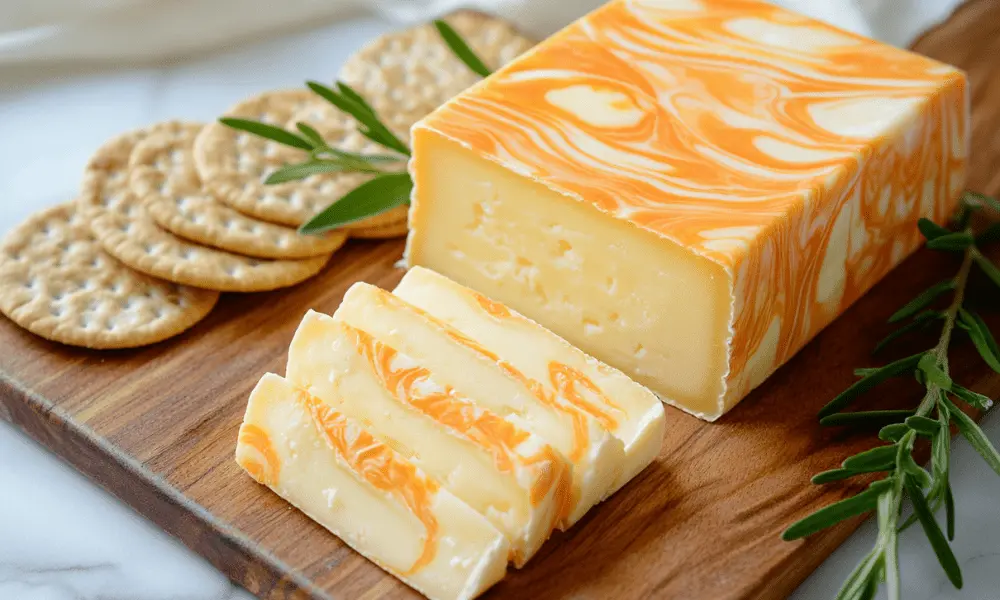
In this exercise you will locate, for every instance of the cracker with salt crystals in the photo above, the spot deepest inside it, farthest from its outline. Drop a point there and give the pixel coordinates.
(128, 233)
(57, 282)
(341, 132)
(234, 164)
(164, 177)
(407, 74)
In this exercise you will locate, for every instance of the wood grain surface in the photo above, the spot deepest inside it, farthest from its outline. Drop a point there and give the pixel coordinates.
(157, 427)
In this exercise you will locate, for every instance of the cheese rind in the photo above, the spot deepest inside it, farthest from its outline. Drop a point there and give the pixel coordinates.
(366, 494)
(518, 482)
(627, 410)
(476, 373)
(689, 191)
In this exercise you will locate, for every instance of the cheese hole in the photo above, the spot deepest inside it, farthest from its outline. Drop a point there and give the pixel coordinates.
(592, 326)
(639, 351)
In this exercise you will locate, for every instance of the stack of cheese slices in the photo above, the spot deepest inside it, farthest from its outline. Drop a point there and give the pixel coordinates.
(441, 434)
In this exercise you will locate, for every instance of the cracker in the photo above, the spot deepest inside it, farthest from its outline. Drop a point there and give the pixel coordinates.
(128, 233)
(164, 177)
(233, 165)
(382, 232)
(343, 135)
(57, 282)
(406, 75)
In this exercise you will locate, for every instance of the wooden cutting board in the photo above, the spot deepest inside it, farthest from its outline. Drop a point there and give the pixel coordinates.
(157, 428)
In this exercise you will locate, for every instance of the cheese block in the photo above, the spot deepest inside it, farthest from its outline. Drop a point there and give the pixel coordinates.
(476, 372)
(368, 495)
(627, 410)
(689, 190)
(513, 478)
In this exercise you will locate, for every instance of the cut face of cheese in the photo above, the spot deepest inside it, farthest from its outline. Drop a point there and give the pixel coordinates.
(517, 481)
(689, 191)
(475, 372)
(626, 409)
(367, 494)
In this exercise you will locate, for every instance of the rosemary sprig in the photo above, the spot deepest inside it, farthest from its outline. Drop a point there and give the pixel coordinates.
(931, 420)
(388, 188)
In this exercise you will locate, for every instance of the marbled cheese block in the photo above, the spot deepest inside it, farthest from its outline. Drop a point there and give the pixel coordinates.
(506, 473)
(626, 409)
(367, 494)
(476, 372)
(689, 190)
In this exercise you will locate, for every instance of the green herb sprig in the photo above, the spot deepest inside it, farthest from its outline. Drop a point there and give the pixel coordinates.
(390, 185)
(931, 420)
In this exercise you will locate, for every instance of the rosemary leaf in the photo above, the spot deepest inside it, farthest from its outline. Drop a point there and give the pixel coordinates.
(970, 431)
(301, 171)
(932, 372)
(923, 425)
(873, 418)
(832, 514)
(922, 300)
(919, 322)
(370, 198)
(985, 200)
(310, 134)
(892, 433)
(461, 49)
(871, 380)
(371, 127)
(987, 266)
(887, 516)
(270, 132)
(920, 477)
(973, 399)
(934, 535)
(865, 371)
(952, 242)
(881, 458)
(860, 579)
(930, 229)
(949, 511)
(833, 475)
(981, 338)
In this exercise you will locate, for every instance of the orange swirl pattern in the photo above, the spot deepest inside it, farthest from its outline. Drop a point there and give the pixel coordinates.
(573, 406)
(267, 472)
(377, 464)
(414, 386)
(796, 156)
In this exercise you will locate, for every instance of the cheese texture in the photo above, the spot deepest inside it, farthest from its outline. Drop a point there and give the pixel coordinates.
(371, 497)
(689, 190)
(513, 478)
(627, 410)
(475, 372)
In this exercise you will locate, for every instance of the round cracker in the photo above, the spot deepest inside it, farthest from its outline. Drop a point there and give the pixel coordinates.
(127, 232)
(407, 74)
(233, 164)
(381, 233)
(57, 282)
(163, 175)
(343, 134)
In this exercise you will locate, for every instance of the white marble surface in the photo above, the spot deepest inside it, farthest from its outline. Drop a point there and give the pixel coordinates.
(62, 538)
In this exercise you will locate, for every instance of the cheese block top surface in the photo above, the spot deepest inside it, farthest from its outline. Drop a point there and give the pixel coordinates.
(626, 409)
(703, 121)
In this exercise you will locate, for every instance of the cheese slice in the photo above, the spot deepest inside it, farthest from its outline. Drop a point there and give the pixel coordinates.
(365, 493)
(626, 409)
(475, 372)
(513, 478)
(689, 190)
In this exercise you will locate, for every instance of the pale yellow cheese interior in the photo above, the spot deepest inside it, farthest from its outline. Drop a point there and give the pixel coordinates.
(281, 446)
(621, 294)
(324, 360)
(597, 457)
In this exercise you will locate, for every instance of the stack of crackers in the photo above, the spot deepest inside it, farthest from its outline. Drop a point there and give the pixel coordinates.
(173, 214)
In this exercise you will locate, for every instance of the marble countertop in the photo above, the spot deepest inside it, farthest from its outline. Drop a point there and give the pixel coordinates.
(62, 538)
